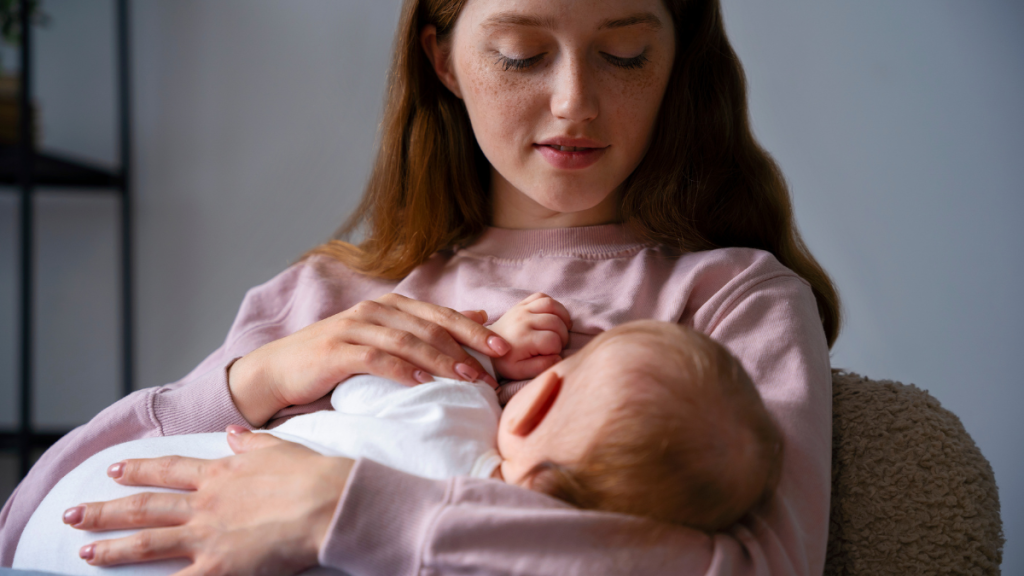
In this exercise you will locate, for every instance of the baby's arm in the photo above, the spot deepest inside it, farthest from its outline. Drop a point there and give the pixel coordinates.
(538, 330)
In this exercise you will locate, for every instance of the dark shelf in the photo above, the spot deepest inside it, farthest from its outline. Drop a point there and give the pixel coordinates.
(24, 174)
(55, 171)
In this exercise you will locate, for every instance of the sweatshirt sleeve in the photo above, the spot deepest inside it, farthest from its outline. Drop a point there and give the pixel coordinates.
(199, 402)
(393, 523)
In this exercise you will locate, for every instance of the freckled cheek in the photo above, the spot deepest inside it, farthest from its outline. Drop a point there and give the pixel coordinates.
(636, 106)
(503, 111)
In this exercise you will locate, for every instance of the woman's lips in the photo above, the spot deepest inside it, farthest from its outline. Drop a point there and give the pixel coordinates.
(570, 157)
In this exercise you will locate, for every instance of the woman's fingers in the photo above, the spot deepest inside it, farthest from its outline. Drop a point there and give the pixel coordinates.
(406, 331)
(146, 509)
(143, 546)
(462, 329)
(222, 526)
(420, 341)
(383, 344)
(166, 472)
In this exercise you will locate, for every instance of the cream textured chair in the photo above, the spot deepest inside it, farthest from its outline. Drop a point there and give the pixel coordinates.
(911, 492)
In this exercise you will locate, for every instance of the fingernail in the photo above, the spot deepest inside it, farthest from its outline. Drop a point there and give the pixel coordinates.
(87, 552)
(467, 372)
(116, 470)
(422, 377)
(74, 515)
(499, 345)
(490, 380)
(235, 429)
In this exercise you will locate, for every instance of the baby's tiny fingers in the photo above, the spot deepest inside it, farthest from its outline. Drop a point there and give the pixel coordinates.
(548, 305)
(478, 316)
(551, 323)
(531, 368)
(532, 298)
(546, 342)
(144, 546)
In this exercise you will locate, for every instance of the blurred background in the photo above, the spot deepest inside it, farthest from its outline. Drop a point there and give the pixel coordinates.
(898, 125)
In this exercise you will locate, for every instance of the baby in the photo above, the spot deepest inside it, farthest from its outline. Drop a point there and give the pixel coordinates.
(649, 418)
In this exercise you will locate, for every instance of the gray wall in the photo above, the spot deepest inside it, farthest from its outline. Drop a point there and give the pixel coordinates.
(896, 123)
(899, 127)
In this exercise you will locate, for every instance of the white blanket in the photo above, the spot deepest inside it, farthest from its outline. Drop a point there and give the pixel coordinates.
(441, 429)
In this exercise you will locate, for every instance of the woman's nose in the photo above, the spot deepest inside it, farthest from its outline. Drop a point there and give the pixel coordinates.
(574, 98)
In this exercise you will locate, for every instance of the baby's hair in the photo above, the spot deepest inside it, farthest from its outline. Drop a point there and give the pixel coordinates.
(692, 445)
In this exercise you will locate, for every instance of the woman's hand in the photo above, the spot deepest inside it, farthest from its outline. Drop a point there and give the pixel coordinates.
(393, 337)
(265, 510)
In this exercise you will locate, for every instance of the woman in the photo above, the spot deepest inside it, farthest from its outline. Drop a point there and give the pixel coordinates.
(607, 145)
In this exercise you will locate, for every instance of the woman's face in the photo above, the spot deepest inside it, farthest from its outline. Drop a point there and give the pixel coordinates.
(563, 97)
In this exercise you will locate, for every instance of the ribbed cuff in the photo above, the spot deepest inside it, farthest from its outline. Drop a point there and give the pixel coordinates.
(202, 405)
(382, 520)
(507, 390)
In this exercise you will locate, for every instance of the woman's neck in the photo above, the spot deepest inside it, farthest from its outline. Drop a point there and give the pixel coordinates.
(515, 209)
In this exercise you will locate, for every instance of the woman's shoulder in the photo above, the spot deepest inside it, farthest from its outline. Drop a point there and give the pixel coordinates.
(716, 281)
(321, 272)
(311, 289)
(735, 264)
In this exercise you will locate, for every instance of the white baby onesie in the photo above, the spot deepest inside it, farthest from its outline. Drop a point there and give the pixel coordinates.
(441, 429)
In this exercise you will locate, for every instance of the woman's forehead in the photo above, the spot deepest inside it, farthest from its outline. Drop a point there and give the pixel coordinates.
(553, 15)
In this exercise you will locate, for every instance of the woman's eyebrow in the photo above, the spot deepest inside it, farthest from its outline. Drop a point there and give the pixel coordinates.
(548, 22)
(644, 18)
(514, 19)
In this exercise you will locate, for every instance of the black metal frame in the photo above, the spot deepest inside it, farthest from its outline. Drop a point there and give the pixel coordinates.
(27, 168)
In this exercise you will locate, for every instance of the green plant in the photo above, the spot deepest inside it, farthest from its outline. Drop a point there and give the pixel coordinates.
(10, 21)
(10, 18)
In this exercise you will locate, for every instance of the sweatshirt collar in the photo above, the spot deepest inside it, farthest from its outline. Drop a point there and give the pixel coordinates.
(584, 241)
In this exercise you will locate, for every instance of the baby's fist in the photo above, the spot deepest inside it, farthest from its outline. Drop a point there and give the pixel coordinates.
(538, 330)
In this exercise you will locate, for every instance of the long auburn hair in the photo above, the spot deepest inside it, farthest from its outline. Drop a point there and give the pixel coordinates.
(704, 183)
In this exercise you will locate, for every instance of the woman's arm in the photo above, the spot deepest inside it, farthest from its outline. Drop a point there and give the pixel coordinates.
(285, 326)
(392, 523)
(199, 402)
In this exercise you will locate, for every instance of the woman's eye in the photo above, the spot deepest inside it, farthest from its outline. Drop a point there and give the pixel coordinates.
(633, 63)
(518, 64)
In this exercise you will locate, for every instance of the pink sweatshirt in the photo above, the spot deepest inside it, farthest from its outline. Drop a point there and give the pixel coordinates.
(389, 523)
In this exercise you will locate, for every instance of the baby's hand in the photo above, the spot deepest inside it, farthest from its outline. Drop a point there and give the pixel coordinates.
(538, 329)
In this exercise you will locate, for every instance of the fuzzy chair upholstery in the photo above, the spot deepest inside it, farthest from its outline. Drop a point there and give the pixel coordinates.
(911, 492)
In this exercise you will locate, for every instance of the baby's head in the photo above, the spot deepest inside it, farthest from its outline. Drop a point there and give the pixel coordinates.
(651, 419)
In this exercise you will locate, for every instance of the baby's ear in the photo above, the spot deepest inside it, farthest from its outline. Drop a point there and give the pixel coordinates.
(542, 393)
